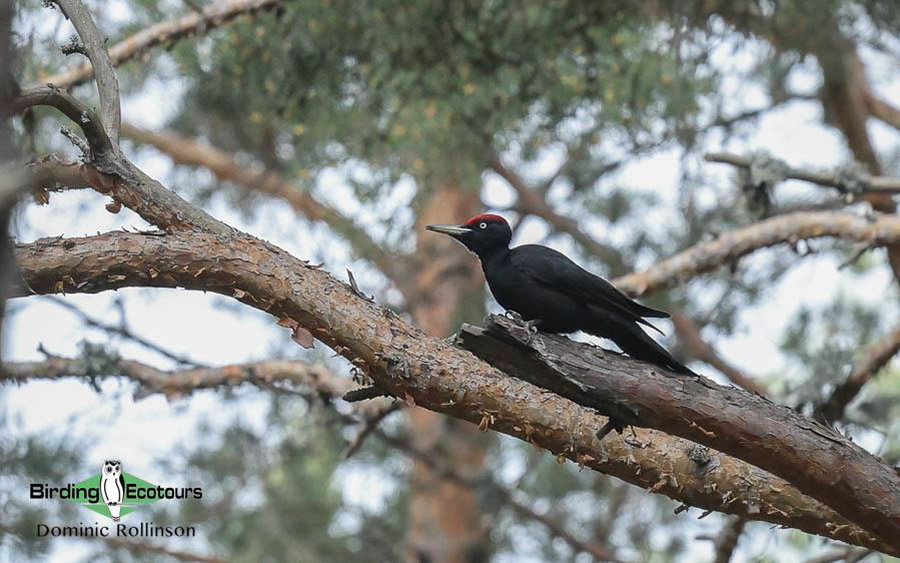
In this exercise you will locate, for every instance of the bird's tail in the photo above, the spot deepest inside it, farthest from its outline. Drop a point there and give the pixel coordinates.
(640, 346)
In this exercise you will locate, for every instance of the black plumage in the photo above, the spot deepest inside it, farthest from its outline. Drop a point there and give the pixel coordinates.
(557, 295)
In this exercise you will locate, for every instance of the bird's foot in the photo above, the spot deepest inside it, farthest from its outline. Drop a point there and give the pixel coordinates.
(633, 440)
(513, 316)
(532, 327)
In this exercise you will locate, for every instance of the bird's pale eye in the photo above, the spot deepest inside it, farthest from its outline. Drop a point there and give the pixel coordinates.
(482, 226)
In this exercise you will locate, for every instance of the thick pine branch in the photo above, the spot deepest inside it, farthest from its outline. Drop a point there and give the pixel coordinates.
(438, 376)
(819, 461)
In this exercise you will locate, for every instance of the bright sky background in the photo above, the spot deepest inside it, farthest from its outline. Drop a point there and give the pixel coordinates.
(201, 327)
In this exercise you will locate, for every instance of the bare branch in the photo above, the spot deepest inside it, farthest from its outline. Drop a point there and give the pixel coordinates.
(440, 377)
(164, 33)
(123, 331)
(882, 110)
(867, 182)
(729, 247)
(99, 140)
(877, 357)
(109, 172)
(369, 425)
(183, 382)
(104, 72)
(727, 540)
(689, 334)
(135, 190)
(844, 554)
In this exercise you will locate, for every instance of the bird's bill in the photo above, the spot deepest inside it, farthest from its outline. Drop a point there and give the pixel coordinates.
(452, 230)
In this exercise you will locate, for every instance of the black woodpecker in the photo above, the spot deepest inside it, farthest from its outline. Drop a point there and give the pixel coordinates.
(556, 295)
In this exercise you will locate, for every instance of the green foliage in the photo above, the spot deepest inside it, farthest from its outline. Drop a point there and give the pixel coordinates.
(430, 89)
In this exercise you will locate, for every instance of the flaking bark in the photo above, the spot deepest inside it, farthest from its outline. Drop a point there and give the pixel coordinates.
(435, 374)
(818, 460)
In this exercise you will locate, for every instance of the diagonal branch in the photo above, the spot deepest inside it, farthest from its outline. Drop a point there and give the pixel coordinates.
(882, 110)
(532, 202)
(165, 33)
(440, 377)
(689, 334)
(99, 140)
(123, 331)
(104, 71)
(877, 357)
(257, 178)
(727, 248)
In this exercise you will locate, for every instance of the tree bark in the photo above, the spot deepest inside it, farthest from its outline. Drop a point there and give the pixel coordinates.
(431, 372)
(819, 461)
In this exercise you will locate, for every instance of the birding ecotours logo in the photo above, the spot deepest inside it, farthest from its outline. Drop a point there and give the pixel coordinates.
(113, 493)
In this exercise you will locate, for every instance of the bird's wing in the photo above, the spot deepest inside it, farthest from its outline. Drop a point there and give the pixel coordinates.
(553, 269)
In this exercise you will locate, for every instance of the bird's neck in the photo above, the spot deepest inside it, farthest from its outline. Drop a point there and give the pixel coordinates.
(493, 254)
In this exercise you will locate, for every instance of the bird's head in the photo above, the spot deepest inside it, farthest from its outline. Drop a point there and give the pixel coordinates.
(481, 234)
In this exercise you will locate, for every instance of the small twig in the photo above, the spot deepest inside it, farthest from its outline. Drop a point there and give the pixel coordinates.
(355, 288)
(690, 336)
(76, 140)
(123, 331)
(877, 357)
(369, 426)
(858, 251)
(364, 394)
(72, 46)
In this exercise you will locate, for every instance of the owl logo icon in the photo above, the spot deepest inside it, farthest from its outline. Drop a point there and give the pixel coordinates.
(112, 487)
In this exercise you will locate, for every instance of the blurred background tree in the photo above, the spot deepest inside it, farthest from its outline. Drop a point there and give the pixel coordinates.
(339, 129)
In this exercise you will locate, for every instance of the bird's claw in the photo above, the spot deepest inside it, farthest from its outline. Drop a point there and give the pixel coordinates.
(513, 316)
(532, 327)
(633, 440)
